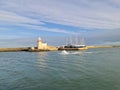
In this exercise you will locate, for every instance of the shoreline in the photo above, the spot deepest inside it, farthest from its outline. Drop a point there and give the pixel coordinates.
(50, 48)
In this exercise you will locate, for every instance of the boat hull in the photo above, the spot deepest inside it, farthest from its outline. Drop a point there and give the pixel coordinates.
(85, 48)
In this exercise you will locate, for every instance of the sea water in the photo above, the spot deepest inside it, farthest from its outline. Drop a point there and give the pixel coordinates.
(93, 69)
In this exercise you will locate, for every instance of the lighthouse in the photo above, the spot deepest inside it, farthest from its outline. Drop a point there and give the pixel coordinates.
(41, 45)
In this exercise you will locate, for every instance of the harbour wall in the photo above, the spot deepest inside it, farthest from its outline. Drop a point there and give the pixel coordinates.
(50, 48)
(92, 47)
(13, 49)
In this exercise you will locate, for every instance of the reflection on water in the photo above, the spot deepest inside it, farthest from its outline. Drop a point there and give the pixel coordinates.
(42, 59)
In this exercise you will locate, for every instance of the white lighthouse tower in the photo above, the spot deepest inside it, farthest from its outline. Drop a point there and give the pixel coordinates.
(41, 45)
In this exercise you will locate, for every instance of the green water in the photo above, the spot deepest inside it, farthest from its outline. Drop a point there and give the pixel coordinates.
(94, 69)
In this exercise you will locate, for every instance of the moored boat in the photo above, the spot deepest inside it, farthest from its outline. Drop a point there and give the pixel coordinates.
(73, 47)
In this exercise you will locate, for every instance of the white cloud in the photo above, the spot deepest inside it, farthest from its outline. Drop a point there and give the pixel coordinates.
(9, 17)
(46, 29)
(17, 20)
(90, 14)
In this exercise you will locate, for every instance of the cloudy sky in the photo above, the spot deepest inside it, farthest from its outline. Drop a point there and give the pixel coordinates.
(96, 20)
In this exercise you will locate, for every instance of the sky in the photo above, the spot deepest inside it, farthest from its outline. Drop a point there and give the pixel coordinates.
(23, 21)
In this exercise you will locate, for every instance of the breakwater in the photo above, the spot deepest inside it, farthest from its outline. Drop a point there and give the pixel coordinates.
(50, 48)
(13, 49)
(110, 46)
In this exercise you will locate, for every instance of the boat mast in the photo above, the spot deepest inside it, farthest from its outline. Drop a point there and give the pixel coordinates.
(82, 42)
(66, 41)
(71, 40)
(76, 39)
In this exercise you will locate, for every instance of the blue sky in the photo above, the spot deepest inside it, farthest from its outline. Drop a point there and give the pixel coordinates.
(96, 20)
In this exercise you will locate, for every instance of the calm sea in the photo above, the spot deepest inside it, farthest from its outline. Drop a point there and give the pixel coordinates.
(94, 69)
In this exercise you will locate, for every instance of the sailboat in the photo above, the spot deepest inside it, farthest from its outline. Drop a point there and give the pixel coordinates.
(76, 46)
